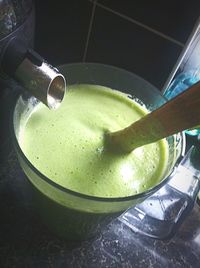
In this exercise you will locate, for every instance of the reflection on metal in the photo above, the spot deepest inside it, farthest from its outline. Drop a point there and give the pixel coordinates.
(42, 81)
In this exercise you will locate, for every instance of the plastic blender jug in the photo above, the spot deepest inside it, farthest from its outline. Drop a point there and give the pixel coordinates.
(77, 216)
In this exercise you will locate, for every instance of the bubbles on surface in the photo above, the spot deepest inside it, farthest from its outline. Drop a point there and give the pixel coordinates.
(99, 150)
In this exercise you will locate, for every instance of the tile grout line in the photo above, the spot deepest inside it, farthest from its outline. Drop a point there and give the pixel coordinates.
(89, 31)
(142, 25)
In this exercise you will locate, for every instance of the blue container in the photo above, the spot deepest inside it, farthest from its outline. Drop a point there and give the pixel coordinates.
(180, 84)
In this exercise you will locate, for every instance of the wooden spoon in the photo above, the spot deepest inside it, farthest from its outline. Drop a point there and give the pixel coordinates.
(178, 114)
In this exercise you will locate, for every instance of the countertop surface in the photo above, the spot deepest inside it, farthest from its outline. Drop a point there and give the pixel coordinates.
(26, 242)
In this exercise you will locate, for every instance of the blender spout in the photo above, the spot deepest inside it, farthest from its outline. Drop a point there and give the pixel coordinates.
(42, 80)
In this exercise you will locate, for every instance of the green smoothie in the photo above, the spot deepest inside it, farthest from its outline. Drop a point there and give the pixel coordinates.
(68, 144)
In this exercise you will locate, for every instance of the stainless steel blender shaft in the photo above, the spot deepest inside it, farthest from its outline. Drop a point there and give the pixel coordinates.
(38, 77)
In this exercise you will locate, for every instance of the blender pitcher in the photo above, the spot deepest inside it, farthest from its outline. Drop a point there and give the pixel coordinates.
(77, 216)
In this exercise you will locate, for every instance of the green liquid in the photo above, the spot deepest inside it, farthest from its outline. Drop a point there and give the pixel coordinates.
(67, 145)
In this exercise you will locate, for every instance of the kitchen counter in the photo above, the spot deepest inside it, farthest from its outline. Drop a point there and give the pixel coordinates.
(26, 242)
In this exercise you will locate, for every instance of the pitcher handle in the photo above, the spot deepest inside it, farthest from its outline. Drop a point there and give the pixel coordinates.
(160, 215)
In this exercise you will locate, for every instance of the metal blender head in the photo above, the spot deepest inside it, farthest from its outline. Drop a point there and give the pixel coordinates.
(38, 77)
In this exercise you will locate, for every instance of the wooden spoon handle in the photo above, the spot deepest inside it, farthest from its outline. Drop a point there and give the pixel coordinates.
(176, 115)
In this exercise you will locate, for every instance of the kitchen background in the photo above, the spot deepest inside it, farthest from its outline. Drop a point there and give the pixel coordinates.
(144, 37)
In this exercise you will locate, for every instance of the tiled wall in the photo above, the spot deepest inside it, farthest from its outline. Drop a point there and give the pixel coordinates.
(145, 37)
